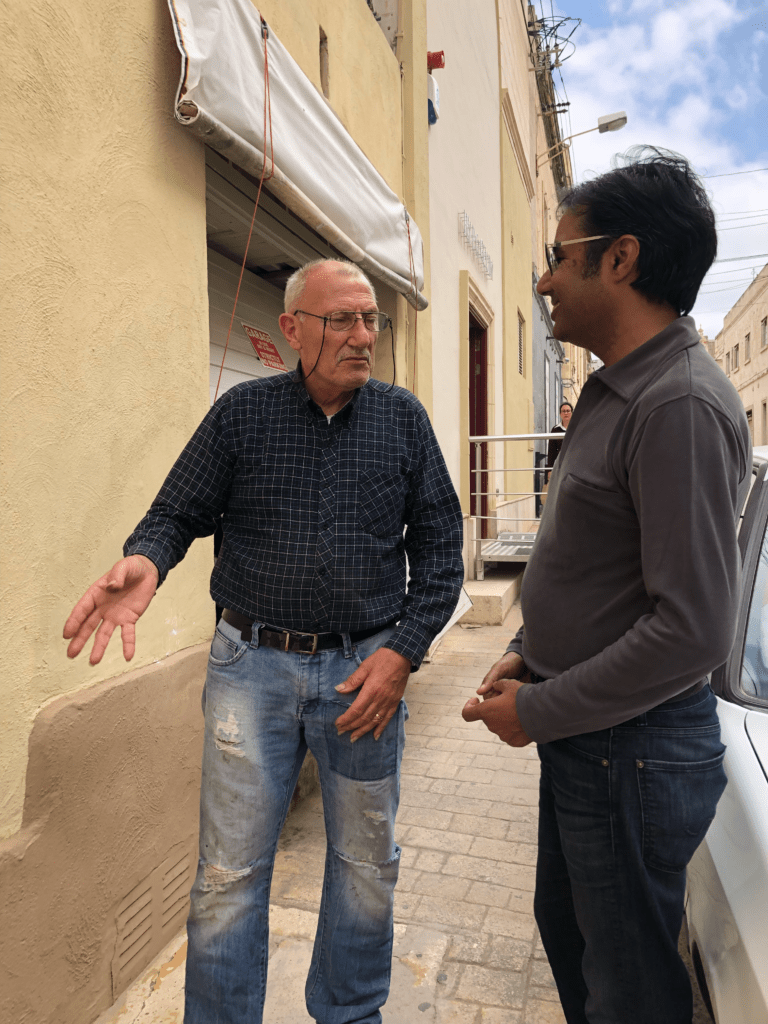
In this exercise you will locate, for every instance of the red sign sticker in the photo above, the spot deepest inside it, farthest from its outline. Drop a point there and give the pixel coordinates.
(264, 348)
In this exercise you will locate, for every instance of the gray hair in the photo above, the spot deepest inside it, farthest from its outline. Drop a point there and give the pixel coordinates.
(297, 282)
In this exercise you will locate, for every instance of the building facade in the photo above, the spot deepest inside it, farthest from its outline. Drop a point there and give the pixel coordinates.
(741, 349)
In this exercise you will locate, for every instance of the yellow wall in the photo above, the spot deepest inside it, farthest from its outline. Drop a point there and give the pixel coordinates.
(106, 347)
(105, 355)
(518, 388)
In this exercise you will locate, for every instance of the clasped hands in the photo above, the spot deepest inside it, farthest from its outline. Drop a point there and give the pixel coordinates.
(498, 708)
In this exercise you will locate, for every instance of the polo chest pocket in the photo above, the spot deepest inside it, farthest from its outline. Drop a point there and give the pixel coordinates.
(381, 503)
(596, 521)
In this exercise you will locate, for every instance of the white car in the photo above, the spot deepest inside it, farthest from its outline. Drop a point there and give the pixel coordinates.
(727, 897)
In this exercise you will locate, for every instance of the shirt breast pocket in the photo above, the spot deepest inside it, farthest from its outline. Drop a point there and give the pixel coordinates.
(381, 503)
(595, 521)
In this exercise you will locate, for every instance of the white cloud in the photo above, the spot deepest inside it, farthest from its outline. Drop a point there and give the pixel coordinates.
(737, 98)
(669, 68)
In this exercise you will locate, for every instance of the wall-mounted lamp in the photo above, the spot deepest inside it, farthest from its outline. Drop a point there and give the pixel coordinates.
(606, 123)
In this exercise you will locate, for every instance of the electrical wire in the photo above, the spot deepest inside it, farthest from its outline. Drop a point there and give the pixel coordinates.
(744, 227)
(730, 174)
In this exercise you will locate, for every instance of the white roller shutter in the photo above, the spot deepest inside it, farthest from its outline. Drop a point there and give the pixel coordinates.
(259, 305)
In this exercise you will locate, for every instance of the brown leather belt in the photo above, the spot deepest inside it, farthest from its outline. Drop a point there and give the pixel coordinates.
(293, 639)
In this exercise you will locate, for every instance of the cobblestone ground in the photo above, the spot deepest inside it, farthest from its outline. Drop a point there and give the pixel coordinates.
(466, 945)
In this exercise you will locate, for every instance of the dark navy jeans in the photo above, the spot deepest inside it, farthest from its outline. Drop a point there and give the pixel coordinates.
(621, 813)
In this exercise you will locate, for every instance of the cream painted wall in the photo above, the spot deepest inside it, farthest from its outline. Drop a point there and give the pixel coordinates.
(464, 171)
(518, 388)
(516, 75)
(105, 345)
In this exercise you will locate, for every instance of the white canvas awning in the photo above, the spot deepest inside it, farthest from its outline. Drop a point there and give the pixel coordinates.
(321, 174)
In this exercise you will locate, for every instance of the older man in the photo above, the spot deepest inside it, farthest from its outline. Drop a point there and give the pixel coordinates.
(324, 479)
(630, 597)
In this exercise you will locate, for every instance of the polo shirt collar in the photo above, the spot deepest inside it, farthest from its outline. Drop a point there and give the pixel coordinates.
(632, 373)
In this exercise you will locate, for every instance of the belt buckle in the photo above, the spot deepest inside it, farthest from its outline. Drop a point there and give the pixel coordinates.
(290, 633)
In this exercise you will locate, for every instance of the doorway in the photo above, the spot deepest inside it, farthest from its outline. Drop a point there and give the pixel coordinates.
(478, 418)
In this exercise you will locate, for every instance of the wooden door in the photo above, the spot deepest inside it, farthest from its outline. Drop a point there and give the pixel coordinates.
(478, 416)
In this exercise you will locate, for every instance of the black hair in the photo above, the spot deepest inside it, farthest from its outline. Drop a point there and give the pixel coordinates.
(565, 402)
(654, 195)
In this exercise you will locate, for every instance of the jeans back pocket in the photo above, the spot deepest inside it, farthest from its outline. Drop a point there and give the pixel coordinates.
(678, 804)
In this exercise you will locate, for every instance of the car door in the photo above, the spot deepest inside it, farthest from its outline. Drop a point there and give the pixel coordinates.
(727, 899)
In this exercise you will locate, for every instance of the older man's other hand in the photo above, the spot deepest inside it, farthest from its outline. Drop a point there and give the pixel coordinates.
(382, 679)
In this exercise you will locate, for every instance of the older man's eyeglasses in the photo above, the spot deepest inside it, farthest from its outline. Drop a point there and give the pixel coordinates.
(554, 261)
(345, 320)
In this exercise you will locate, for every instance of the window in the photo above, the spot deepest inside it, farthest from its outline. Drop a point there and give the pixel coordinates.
(747, 348)
(764, 422)
(764, 332)
(520, 344)
(728, 364)
(751, 428)
(754, 668)
(735, 358)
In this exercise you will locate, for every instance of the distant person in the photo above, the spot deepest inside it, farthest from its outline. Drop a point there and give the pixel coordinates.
(326, 480)
(555, 444)
(630, 596)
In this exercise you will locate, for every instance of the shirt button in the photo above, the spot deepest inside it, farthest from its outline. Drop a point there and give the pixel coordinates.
(641, 764)
(321, 571)
(605, 764)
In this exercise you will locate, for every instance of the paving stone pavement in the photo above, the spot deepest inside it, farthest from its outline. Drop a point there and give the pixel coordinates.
(466, 946)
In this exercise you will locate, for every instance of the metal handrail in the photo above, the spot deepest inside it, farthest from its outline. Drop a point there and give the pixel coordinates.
(517, 437)
(478, 493)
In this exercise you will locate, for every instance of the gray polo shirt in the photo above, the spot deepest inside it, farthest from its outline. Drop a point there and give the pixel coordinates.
(630, 595)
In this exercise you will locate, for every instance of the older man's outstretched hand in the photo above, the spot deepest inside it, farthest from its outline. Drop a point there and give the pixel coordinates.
(498, 708)
(119, 598)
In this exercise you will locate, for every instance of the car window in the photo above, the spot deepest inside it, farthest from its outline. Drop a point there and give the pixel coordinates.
(754, 667)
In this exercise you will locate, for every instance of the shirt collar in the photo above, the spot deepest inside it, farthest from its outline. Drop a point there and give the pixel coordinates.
(630, 374)
(313, 410)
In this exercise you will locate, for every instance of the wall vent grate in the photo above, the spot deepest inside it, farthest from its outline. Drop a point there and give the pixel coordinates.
(150, 915)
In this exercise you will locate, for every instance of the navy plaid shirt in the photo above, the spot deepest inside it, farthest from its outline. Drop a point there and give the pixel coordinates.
(313, 512)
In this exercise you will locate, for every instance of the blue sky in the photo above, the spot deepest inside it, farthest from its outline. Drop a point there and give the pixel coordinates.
(692, 77)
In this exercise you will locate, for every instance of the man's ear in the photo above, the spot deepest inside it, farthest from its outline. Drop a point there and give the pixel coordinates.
(288, 326)
(622, 259)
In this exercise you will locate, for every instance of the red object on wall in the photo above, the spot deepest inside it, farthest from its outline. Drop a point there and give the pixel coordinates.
(435, 60)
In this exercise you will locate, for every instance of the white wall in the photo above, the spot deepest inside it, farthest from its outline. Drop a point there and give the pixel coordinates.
(464, 168)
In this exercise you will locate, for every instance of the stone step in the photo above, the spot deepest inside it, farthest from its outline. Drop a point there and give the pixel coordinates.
(493, 597)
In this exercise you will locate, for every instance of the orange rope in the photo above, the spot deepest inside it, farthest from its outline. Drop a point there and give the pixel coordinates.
(264, 177)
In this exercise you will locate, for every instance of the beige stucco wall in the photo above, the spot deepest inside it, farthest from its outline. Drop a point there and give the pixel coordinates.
(105, 357)
(105, 347)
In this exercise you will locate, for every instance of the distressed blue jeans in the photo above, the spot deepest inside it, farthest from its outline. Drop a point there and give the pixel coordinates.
(263, 709)
(621, 813)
